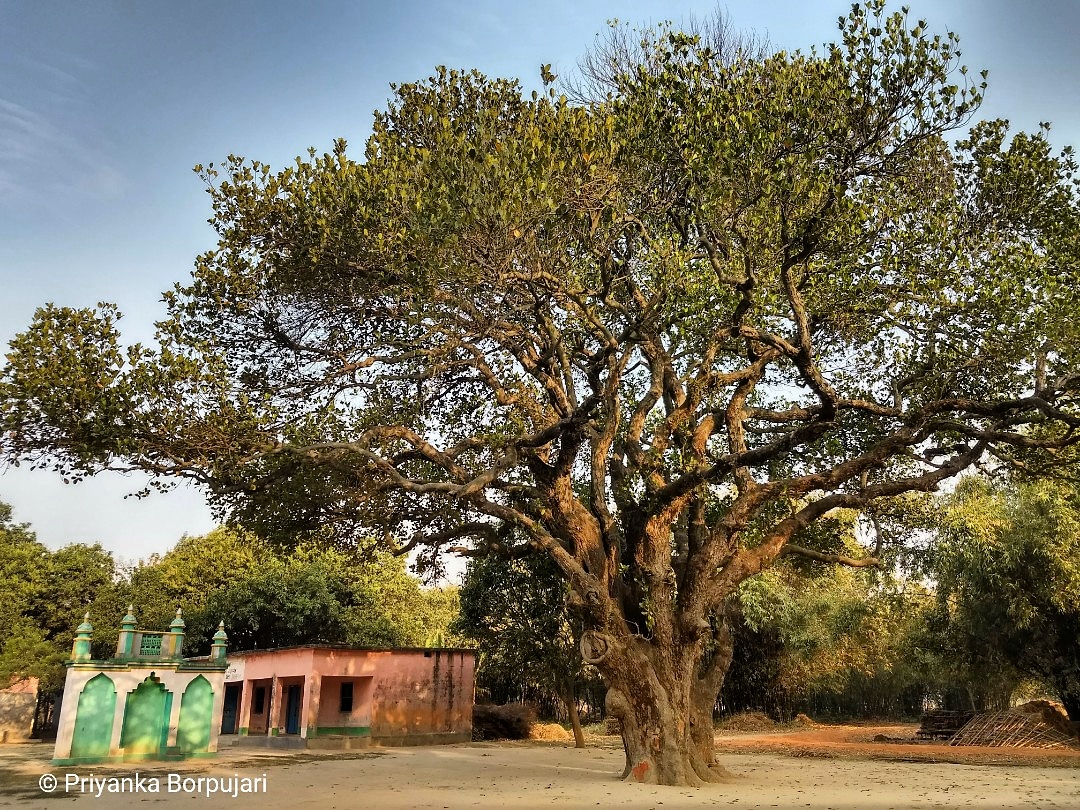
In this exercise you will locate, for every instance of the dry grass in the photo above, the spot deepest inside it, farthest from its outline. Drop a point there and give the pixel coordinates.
(549, 731)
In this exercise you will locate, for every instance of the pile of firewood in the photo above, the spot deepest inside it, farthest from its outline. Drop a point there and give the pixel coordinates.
(941, 724)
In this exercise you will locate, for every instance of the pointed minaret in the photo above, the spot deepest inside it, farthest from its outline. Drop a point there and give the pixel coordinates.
(217, 649)
(84, 633)
(125, 642)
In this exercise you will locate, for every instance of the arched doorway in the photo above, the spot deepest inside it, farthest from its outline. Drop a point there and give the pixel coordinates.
(146, 719)
(94, 719)
(196, 714)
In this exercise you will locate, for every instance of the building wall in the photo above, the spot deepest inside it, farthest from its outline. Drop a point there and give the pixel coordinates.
(270, 663)
(399, 696)
(422, 695)
(330, 717)
(17, 705)
(266, 669)
(125, 680)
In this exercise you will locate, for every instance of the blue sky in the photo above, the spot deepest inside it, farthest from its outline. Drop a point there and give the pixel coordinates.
(106, 106)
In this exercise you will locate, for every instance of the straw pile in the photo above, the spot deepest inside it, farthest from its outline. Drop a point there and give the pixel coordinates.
(550, 732)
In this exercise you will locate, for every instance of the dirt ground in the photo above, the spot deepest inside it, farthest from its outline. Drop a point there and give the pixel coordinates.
(857, 742)
(838, 767)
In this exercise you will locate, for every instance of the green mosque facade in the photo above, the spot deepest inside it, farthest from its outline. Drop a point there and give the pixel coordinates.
(147, 702)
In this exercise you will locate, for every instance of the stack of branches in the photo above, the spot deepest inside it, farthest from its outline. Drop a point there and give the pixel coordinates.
(1014, 728)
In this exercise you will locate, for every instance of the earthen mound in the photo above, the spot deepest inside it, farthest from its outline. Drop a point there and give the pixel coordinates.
(747, 721)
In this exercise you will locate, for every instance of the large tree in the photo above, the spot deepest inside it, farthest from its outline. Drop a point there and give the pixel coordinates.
(657, 336)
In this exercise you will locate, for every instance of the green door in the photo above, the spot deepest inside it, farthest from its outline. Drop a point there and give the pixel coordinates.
(146, 722)
(94, 719)
(196, 712)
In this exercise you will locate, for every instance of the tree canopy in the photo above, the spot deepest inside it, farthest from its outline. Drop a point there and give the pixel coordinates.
(655, 337)
(267, 596)
(270, 596)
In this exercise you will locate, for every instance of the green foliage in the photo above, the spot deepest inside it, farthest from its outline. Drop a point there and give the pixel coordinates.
(839, 643)
(46, 594)
(190, 572)
(515, 613)
(273, 597)
(732, 296)
(267, 597)
(1007, 563)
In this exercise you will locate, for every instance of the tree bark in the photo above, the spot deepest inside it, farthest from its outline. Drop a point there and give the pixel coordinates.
(570, 699)
(666, 718)
(1070, 699)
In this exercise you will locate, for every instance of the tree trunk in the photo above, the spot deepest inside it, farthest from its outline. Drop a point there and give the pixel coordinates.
(570, 699)
(1070, 699)
(666, 718)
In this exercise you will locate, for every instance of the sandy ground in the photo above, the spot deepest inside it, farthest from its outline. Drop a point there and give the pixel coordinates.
(833, 767)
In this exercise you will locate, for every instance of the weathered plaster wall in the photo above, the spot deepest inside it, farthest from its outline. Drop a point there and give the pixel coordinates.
(399, 696)
(267, 669)
(126, 679)
(268, 663)
(331, 720)
(17, 704)
(258, 721)
(422, 694)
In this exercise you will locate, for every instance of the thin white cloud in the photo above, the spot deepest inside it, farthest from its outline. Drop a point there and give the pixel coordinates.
(42, 148)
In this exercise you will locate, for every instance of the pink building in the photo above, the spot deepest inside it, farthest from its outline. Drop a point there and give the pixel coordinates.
(325, 696)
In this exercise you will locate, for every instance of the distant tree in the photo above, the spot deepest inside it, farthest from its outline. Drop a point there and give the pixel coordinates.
(656, 336)
(1007, 564)
(268, 596)
(45, 595)
(190, 572)
(272, 596)
(515, 611)
(283, 602)
(438, 612)
(832, 641)
(23, 572)
(25, 649)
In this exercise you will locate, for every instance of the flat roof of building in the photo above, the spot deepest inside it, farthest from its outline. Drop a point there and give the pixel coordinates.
(350, 648)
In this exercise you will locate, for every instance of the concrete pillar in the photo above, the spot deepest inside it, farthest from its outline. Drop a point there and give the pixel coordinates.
(243, 722)
(84, 633)
(176, 636)
(65, 724)
(125, 683)
(218, 683)
(217, 649)
(176, 684)
(277, 716)
(125, 642)
(309, 711)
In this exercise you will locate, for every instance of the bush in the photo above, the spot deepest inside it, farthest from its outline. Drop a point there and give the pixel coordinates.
(510, 722)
